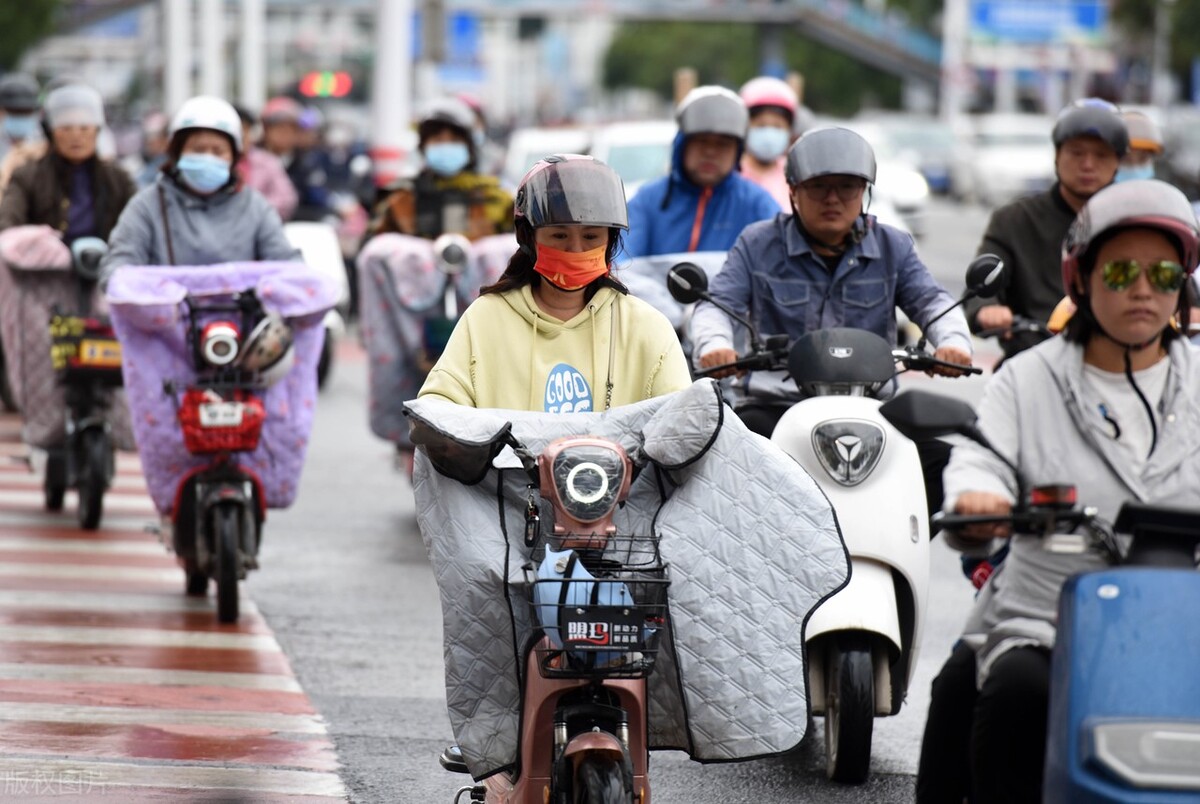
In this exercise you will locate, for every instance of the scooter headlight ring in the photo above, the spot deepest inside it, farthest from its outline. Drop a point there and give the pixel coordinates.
(588, 481)
(220, 342)
(848, 449)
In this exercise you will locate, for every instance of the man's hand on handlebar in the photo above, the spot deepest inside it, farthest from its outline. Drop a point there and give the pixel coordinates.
(994, 316)
(983, 503)
(720, 357)
(950, 354)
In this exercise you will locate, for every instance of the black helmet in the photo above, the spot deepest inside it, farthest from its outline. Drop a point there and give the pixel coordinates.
(712, 110)
(446, 112)
(830, 151)
(571, 189)
(1092, 119)
(19, 93)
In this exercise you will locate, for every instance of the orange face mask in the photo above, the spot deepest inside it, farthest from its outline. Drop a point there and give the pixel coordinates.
(571, 270)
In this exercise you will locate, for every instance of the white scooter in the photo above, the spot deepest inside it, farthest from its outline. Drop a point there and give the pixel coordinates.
(319, 246)
(862, 642)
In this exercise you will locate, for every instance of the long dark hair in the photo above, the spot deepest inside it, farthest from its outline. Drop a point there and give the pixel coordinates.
(520, 271)
(1083, 325)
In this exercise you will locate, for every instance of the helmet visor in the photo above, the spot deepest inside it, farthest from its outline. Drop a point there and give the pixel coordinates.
(575, 191)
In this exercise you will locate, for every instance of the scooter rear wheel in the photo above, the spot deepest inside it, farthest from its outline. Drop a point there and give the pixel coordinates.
(227, 536)
(600, 780)
(849, 710)
(95, 456)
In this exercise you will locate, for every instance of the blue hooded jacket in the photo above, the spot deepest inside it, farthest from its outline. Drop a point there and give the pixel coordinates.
(663, 212)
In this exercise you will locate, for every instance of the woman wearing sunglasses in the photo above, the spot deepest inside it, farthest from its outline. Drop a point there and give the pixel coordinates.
(1108, 407)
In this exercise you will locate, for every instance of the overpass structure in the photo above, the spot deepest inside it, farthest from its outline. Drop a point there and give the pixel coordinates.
(882, 40)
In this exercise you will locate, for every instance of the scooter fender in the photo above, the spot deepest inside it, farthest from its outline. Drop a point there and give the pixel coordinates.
(600, 742)
(884, 523)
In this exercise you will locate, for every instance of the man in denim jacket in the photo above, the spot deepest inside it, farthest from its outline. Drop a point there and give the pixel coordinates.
(827, 265)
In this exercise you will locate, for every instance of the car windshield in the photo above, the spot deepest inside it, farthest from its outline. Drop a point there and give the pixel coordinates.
(638, 162)
(1008, 139)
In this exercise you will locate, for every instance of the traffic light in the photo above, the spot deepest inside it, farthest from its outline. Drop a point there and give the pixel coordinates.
(326, 84)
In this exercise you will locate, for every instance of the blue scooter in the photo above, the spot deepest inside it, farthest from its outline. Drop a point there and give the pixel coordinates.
(1124, 719)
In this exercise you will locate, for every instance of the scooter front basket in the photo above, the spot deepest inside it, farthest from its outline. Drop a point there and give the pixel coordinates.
(214, 423)
(605, 623)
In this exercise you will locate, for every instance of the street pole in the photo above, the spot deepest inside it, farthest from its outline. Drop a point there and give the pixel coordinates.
(954, 66)
(212, 48)
(1160, 88)
(391, 87)
(177, 68)
(252, 84)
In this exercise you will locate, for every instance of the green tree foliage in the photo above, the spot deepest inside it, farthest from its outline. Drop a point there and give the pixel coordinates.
(24, 22)
(1135, 18)
(647, 54)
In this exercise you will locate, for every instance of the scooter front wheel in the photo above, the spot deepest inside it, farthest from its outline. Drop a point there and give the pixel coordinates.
(600, 780)
(849, 709)
(226, 538)
(54, 484)
(95, 458)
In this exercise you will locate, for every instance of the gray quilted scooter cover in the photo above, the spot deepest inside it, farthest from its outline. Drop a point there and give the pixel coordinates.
(752, 543)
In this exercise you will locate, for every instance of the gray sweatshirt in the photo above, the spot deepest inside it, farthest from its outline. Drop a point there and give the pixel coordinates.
(1040, 413)
(231, 225)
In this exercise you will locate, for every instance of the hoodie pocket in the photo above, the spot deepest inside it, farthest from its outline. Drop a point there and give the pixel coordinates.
(864, 292)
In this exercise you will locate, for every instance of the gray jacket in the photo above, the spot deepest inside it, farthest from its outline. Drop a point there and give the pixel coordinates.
(233, 225)
(1038, 411)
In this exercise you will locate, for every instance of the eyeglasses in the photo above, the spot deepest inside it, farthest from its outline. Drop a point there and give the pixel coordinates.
(1165, 276)
(846, 190)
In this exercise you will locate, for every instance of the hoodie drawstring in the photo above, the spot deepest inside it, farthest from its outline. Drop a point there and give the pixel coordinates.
(532, 353)
(698, 221)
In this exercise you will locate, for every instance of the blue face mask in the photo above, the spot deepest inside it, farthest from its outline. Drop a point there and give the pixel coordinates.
(447, 158)
(1145, 171)
(20, 126)
(767, 143)
(204, 173)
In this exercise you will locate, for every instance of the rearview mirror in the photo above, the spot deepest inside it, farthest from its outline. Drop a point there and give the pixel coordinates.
(687, 283)
(452, 252)
(921, 415)
(986, 276)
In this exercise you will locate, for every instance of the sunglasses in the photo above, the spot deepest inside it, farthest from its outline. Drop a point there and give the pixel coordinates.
(846, 190)
(1165, 276)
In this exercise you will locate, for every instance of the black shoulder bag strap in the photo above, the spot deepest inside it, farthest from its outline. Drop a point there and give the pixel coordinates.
(162, 205)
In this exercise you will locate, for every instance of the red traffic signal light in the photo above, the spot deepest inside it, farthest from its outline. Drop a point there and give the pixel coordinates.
(326, 84)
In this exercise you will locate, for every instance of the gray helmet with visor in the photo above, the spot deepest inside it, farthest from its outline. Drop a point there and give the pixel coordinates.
(831, 151)
(571, 189)
(713, 110)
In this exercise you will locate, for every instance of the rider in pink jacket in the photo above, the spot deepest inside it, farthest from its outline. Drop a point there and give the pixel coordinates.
(263, 171)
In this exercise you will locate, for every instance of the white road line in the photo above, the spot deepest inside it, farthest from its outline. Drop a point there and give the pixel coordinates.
(115, 601)
(136, 675)
(150, 716)
(91, 572)
(114, 503)
(152, 637)
(147, 546)
(92, 777)
(66, 518)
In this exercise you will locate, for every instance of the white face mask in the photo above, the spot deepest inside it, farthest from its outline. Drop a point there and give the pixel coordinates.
(767, 143)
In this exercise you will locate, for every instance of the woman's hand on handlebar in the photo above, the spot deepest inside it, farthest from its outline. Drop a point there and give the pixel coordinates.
(720, 357)
(950, 354)
(983, 503)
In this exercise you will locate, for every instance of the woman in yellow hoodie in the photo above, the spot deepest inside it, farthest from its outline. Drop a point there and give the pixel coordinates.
(558, 332)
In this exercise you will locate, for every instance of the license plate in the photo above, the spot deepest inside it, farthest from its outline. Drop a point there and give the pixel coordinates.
(101, 354)
(221, 414)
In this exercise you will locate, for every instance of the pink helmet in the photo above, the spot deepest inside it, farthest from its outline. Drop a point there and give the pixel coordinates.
(768, 91)
(282, 109)
(1149, 204)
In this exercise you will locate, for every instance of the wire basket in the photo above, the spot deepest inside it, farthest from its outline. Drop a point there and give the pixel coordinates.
(85, 348)
(603, 611)
(214, 423)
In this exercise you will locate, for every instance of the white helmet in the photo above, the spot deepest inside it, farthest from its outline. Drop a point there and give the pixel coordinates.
(269, 349)
(208, 112)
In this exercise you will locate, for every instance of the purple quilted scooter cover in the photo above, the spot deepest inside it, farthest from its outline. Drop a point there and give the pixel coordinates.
(150, 320)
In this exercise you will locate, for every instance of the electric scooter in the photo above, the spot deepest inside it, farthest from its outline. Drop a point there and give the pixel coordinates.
(863, 641)
(600, 599)
(1124, 719)
(87, 359)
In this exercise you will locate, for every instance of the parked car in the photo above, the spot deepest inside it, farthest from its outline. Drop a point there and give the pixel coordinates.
(528, 145)
(637, 151)
(926, 142)
(1011, 155)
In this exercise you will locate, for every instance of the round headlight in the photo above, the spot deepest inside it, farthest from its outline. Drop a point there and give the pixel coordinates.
(219, 342)
(587, 483)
